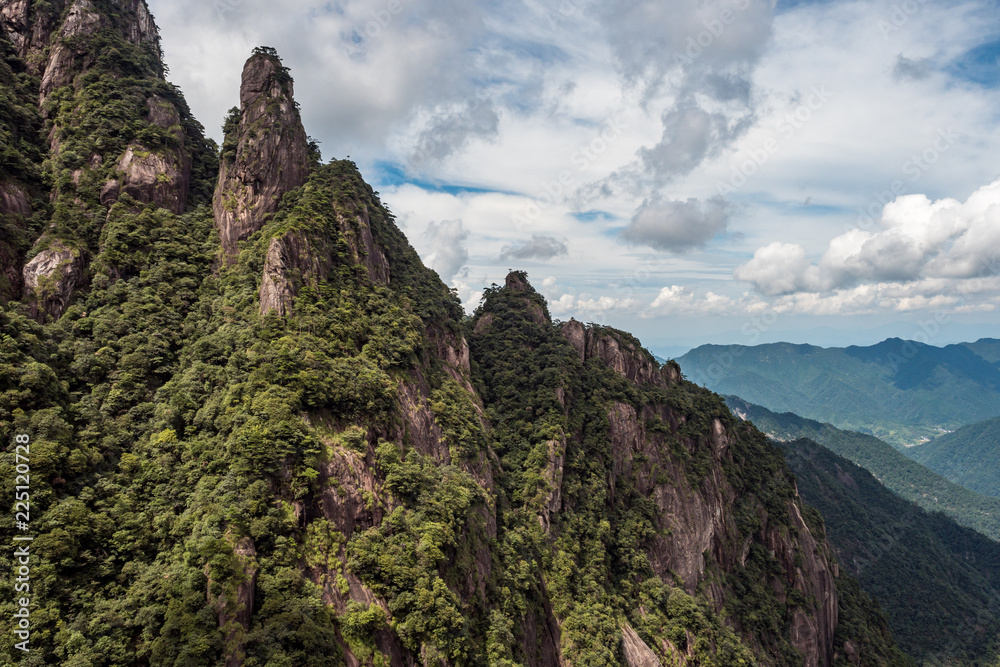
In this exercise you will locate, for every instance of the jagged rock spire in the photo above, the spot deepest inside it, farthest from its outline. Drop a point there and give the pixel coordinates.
(268, 152)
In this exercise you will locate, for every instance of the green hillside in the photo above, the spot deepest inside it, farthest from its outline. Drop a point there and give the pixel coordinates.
(969, 456)
(261, 433)
(909, 479)
(938, 582)
(903, 392)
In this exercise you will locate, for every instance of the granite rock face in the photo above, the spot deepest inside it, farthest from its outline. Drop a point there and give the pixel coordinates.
(288, 257)
(271, 153)
(697, 521)
(14, 204)
(33, 27)
(160, 178)
(50, 278)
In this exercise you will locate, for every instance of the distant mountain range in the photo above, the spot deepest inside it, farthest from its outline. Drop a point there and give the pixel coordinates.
(939, 583)
(969, 456)
(903, 392)
(909, 479)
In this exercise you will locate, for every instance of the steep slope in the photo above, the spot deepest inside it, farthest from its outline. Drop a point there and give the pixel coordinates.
(969, 456)
(625, 478)
(987, 348)
(21, 151)
(263, 433)
(115, 129)
(909, 479)
(265, 152)
(903, 392)
(939, 583)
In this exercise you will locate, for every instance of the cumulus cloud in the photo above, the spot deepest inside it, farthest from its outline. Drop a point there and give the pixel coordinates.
(451, 131)
(678, 300)
(494, 101)
(448, 253)
(704, 53)
(537, 247)
(383, 65)
(922, 254)
(941, 296)
(677, 225)
(654, 40)
(778, 268)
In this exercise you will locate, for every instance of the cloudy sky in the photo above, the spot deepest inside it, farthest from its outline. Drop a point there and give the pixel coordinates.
(689, 170)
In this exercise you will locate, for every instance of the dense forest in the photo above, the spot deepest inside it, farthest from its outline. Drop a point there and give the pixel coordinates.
(892, 468)
(961, 454)
(263, 433)
(925, 570)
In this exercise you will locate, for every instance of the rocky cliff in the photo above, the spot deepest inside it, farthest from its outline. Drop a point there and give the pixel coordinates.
(115, 127)
(309, 455)
(21, 183)
(266, 152)
(724, 521)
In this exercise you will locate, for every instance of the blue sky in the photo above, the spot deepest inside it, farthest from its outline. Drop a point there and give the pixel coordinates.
(692, 171)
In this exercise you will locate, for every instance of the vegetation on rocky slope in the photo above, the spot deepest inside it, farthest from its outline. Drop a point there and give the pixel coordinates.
(289, 454)
(969, 456)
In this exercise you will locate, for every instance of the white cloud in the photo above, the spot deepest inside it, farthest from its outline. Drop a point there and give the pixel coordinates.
(447, 253)
(506, 98)
(678, 300)
(777, 268)
(586, 306)
(923, 255)
(538, 247)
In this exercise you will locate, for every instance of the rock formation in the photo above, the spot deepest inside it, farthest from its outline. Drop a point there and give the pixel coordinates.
(377, 478)
(50, 278)
(61, 42)
(698, 532)
(271, 155)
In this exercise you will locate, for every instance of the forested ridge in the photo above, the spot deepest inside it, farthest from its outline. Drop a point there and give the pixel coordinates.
(903, 392)
(925, 570)
(961, 454)
(264, 433)
(892, 468)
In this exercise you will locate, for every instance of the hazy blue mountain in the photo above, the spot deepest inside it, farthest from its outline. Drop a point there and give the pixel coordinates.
(902, 475)
(904, 392)
(969, 456)
(987, 348)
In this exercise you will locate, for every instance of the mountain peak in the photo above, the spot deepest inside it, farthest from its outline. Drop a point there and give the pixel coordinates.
(265, 76)
(518, 281)
(265, 153)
